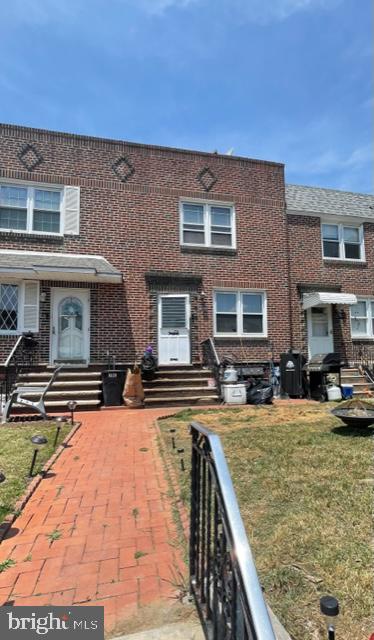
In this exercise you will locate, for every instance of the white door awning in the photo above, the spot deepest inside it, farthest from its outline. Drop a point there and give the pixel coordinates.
(71, 267)
(316, 299)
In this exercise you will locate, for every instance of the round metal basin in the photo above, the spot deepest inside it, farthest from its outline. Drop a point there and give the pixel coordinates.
(351, 420)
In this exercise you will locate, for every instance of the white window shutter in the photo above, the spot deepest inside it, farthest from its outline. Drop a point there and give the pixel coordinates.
(31, 306)
(71, 210)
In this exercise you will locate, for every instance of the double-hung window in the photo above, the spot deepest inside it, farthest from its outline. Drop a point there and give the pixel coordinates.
(362, 319)
(207, 225)
(240, 313)
(30, 209)
(342, 242)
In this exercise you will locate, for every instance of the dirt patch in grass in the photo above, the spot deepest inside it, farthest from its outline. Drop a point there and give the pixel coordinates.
(16, 452)
(303, 482)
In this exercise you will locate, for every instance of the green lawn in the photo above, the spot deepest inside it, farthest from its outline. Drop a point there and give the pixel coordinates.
(304, 484)
(16, 453)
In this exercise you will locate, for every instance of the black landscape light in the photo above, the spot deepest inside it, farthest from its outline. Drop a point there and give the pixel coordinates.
(72, 405)
(2, 477)
(38, 442)
(172, 431)
(330, 609)
(180, 451)
(59, 422)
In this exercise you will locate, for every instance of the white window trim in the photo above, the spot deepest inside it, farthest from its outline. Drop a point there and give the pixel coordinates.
(21, 307)
(207, 227)
(341, 226)
(31, 187)
(239, 314)
(369, 335)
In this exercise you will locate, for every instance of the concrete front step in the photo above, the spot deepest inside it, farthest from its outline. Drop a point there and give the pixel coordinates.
(83, 384)
(173, 382)
(180, 385)
(63, 384)
(181, 373)
(361, 386)
(368, 393)
(56, 405)
(73, 394)
(176, 401)
(357, 385)
(83, 374)
(180, 391)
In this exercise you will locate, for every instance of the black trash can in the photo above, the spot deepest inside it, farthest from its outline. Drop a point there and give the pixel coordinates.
(292, 377)
(113, 383)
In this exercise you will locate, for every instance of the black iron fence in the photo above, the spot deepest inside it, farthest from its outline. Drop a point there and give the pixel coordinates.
(223, 575)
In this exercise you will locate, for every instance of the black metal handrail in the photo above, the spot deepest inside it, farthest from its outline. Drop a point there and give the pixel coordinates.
(21, 358)
(223, 576)
(363, 358)
(211, 360)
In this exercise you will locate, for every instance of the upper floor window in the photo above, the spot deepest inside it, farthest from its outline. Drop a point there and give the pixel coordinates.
(240, 313)
(343, 242)
(36, 208)
(30, 209)
(207, 225)
(362, 319)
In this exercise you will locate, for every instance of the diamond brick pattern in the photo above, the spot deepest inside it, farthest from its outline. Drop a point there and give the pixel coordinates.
(207, 178)
(123, 168)
(30, 157)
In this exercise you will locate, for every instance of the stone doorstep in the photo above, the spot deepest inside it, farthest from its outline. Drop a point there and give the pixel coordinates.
(188, 631)
(176, 631)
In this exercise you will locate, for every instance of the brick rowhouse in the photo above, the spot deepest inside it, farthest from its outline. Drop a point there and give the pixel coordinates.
(129, 214)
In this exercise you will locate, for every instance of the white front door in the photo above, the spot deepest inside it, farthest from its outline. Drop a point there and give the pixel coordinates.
(174, 329)
(70, 325)
(320, 335)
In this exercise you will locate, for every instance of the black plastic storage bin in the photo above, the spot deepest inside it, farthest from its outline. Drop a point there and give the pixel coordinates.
(292, 376)
(113, 383)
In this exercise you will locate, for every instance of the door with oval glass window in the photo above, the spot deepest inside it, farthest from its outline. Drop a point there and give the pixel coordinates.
(70, 325)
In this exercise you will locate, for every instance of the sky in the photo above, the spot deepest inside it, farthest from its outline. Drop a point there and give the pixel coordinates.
(282, 80)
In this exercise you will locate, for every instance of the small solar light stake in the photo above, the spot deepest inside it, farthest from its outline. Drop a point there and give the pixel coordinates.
(72, 405)
(330, 609)
(38, 442)
(172, 437)
(180, 451)
(59, 422)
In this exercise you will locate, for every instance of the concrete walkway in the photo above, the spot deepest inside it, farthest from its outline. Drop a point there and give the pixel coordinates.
(99, 529)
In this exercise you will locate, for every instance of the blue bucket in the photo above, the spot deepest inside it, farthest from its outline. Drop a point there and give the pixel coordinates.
(347, 391)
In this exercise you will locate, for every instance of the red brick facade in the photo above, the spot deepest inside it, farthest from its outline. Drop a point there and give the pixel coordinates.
(309, 271)
(135, 225)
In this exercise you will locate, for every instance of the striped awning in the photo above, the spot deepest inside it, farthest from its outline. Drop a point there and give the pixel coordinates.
(318, 298)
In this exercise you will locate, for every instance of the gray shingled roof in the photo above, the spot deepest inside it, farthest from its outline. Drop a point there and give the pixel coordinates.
(74, 267)
(329, 201)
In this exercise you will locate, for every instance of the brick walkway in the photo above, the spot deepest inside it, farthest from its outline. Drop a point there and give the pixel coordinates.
(107, 494)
